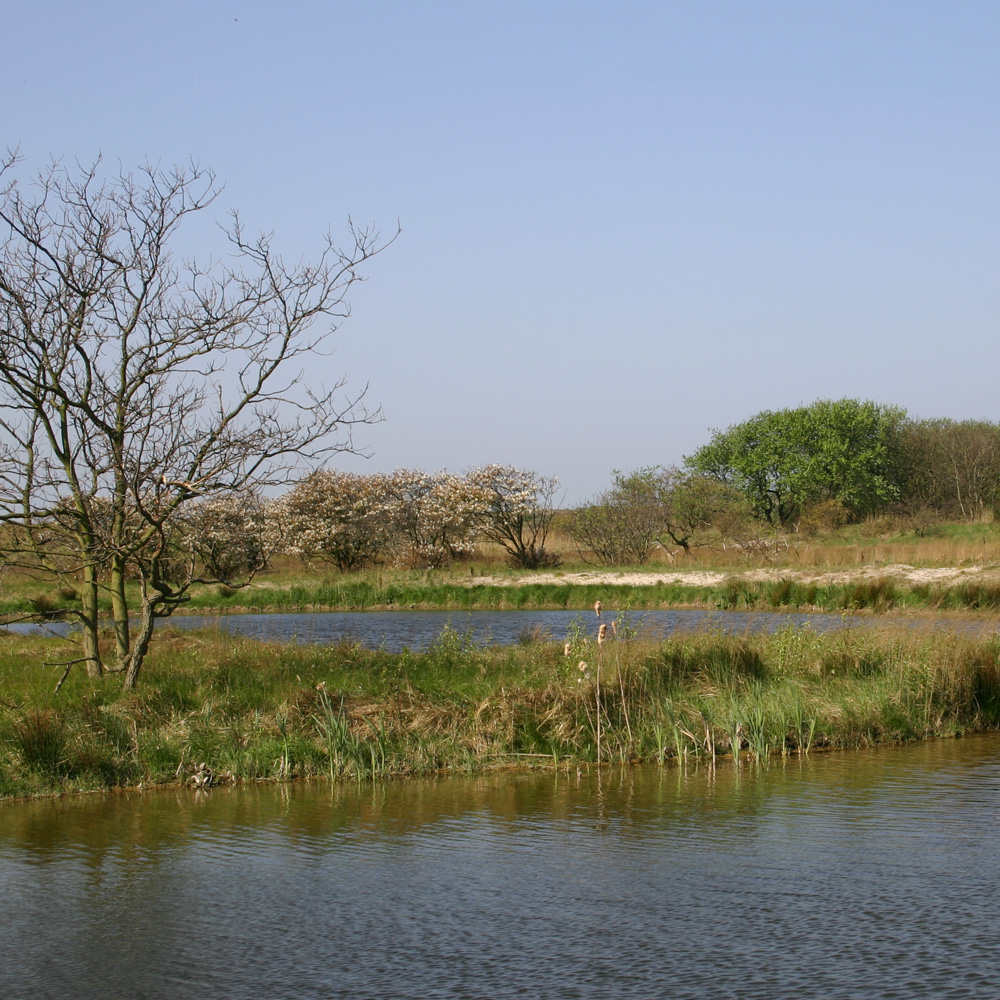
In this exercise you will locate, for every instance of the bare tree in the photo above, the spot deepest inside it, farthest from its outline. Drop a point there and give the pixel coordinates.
(694, 503)
(645, 508)
(132, 384)
(953, 467)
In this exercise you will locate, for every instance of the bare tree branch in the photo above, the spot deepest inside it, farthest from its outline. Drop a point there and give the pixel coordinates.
(133, 385)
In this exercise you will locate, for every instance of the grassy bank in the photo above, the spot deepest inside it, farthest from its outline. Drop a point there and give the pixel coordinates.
(881, 594)
(253, 711)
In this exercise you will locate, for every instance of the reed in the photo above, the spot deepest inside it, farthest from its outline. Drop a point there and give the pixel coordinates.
(248, 711)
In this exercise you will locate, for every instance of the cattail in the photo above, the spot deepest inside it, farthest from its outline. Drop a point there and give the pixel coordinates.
(567, 649)
(614, 627)
(597, 608)
(602, 633)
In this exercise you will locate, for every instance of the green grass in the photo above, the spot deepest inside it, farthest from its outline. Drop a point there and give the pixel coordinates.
(877, 595)
(252, 711)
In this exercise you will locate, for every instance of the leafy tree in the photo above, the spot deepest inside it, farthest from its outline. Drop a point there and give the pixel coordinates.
(134, 385)
(846, 450)
(623, 525)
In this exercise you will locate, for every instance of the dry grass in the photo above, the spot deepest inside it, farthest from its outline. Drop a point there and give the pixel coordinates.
(871, 544)
(290, 583)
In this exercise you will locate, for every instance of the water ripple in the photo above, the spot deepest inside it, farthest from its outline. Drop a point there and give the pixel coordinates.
(852, 875)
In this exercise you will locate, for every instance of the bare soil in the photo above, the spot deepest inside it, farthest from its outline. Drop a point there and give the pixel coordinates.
(899, 572)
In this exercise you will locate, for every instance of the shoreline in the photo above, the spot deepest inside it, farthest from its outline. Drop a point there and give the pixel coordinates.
(564, 766)
(876, 588)
(267, 711)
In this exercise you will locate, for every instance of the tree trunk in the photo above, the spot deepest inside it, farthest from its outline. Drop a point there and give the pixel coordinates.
(88, 621)
(144, 633)
(119, 607)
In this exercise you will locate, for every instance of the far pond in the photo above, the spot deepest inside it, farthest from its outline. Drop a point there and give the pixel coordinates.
(416, 630)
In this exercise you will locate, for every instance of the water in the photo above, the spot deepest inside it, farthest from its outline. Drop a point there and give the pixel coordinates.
(396, 630)
(851, 875)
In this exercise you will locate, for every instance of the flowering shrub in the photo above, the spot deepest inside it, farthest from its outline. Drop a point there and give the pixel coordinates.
(434, 516)
(234, 536)
(410, 517)
(339, 517)
(515, 511)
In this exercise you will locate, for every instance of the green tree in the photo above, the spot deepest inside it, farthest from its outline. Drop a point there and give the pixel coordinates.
(847, 450)
(623, 524)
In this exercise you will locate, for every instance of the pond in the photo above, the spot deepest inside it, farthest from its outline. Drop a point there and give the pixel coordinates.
(857, 874)
(396, 630)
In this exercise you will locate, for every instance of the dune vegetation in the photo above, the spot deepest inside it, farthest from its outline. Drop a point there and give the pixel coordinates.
(214, 709)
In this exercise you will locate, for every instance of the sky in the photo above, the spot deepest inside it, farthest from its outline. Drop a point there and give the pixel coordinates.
(622, 225)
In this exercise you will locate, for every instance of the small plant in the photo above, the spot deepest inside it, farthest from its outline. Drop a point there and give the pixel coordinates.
(878, 595)
(802, 728)
(284, 763)
(757, 734)
(40, 737)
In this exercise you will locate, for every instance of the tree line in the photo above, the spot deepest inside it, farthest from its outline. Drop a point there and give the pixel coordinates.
(808, 468)
(864, 458)
(414, 518)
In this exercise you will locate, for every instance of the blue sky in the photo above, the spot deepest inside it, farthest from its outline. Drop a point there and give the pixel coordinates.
(623, 225)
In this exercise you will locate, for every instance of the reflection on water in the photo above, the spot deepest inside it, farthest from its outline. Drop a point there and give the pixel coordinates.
(847, 875)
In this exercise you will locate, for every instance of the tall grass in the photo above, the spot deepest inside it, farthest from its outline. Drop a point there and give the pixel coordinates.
(875, 594)
(884, 541)
(247, 710)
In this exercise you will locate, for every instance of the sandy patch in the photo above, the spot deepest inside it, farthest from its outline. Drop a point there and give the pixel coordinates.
(899, 572)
